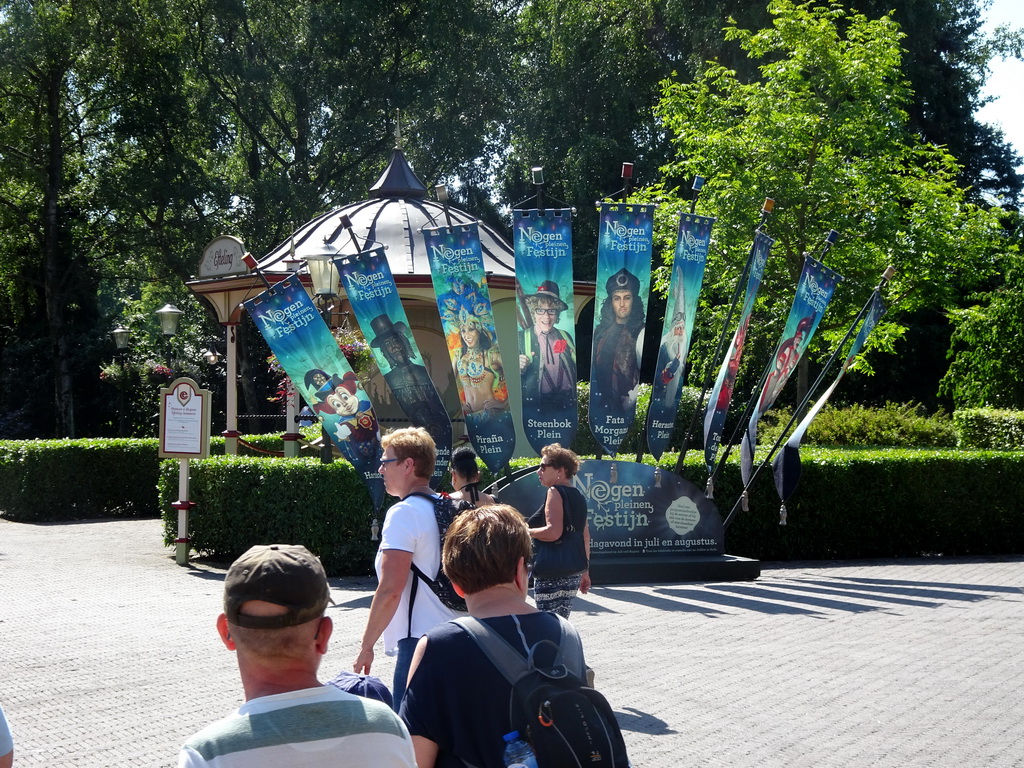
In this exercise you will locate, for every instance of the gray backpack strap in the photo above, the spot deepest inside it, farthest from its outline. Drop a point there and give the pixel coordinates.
(571, 649)
(502, 655)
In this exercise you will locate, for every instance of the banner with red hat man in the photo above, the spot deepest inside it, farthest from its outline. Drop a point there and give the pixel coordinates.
(547, 327)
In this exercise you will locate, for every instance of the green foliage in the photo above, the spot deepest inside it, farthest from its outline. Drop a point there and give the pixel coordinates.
(904, 425)
(883, 503)
(987, 346)
(242, 501)
(824, 132)
(45, 480)
(989, 428)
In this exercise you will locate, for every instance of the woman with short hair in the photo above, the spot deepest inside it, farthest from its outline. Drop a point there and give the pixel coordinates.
(560, 523)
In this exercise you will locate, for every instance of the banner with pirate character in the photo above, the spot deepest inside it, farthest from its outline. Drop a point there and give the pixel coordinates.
(374, 298)
(813, 293)
(691, 256)
(623, 282)
(546, 317)
(786, 465)
(464, 304)
(319, 371)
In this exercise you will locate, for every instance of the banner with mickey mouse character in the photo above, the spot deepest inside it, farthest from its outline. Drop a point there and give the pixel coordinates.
(312, 359)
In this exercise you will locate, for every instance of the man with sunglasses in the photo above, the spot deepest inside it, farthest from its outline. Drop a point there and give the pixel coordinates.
(409, 536)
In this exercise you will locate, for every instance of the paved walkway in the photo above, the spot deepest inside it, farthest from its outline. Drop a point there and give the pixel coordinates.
(108, 657)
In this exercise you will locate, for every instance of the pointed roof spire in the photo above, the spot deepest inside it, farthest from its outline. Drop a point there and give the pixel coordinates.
(399, 180)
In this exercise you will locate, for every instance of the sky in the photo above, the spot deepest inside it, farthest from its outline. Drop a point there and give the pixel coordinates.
(1005, 79)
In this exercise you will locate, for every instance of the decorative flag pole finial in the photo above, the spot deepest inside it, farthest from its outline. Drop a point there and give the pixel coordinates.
(442, 197)
(698, 185)
(627, 176)
(766, 210)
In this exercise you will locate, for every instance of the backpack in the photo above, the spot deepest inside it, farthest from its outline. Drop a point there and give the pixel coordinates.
(566, 723)
(445, 510)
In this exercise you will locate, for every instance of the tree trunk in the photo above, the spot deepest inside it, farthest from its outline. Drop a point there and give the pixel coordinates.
(55, 268)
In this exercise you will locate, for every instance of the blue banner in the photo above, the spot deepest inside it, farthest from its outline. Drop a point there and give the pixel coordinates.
(691, 258)
(625, 246)
(463, 301)
(373, 295)
(721, 393)
(309, 354)
(786, 465)
(547, 328)
(813, 293)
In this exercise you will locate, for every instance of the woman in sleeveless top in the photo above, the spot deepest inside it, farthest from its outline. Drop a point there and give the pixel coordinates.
(563, 503)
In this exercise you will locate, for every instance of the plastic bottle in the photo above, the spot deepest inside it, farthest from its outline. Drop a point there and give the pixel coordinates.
(518, 754)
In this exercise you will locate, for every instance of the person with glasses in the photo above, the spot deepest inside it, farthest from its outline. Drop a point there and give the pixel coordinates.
(456, 707)
(548, 355)
(560, 524)
(409, 535)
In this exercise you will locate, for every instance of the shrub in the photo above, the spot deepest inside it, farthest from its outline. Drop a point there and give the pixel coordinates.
(989, 428)
(906, 426)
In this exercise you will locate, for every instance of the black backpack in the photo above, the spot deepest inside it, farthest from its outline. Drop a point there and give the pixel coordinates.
(566, 723)
(445, 510)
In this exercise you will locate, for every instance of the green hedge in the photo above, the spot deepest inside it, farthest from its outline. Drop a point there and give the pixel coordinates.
(242, 501)
(989, 428)
(46, 480)
(43, 480)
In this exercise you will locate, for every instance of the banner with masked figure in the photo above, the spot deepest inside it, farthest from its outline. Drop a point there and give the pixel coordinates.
(691, 258)
(721, 393)
(463, 301)
(786, 465)
(309, 354)
(371, 291)
(625, 246)
(547, 328)
(814, 291)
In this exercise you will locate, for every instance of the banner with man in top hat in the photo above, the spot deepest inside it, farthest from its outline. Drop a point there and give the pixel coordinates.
(371, 291)
(544, 308)
(464, 305)
(623, 282)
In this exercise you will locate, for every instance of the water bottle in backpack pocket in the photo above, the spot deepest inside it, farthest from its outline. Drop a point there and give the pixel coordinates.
(518, 754)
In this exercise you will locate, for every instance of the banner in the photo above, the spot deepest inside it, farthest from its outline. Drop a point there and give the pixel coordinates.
(634, 510)
(684, 289)
(378, 309)
(547, 327)
(457, 269)
(309, 354)
(721, 393)
(624, 251)
(786, 465)
(814, 291)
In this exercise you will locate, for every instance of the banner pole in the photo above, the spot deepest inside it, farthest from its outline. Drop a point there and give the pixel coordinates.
(715, 362)
(886, 276)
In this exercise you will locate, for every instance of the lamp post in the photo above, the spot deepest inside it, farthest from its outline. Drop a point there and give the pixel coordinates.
(169, 316)
(324, 277)
(120, 334)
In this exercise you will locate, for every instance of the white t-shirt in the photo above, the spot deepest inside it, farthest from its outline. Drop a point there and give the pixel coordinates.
(303, 729)
(410, 526)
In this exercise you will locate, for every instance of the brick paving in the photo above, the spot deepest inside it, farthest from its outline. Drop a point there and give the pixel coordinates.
(108, 657)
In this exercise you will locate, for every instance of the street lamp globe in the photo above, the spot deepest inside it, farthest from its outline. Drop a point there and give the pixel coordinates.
(322, 273)
(169, 316)
(120, 335)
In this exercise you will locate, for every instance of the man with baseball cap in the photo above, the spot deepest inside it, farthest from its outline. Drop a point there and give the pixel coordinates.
(274, 602)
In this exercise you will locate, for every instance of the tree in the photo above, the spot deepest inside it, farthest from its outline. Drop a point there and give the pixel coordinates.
(987, 346)
(824, 132)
